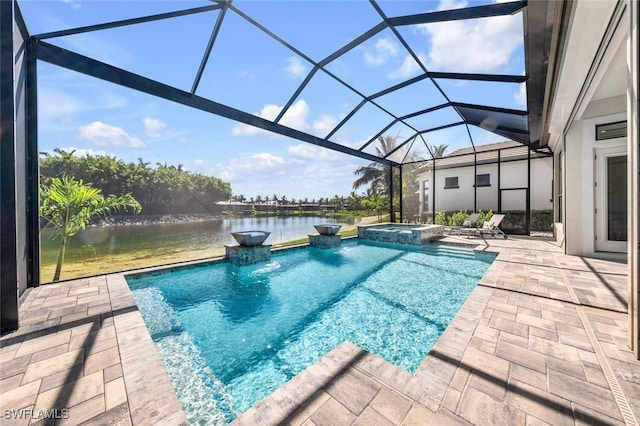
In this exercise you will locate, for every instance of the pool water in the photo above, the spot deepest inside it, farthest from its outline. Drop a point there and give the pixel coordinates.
(229, 336)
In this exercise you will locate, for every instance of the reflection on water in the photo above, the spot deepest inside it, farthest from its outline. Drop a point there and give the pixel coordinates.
(113, 248)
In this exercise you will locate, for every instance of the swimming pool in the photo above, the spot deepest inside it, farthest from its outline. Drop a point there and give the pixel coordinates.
(229, 335)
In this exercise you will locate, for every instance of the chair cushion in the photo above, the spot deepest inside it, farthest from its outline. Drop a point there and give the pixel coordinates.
(467, 224)
(488, 225)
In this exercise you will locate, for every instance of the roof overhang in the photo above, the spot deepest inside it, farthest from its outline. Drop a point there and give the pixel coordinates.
(542, 35)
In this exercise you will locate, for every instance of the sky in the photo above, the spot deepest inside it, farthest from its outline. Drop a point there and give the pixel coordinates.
(251, 71)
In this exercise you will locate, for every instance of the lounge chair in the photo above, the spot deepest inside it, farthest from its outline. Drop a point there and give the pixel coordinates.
(469, 226)
(491, 226)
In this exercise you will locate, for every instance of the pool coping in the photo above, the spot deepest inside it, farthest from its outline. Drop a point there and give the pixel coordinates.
(152, 397)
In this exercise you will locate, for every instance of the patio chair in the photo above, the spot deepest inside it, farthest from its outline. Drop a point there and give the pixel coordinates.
(491, 227)
(468, 226)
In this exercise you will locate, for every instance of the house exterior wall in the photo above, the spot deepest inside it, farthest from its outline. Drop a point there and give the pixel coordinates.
(513, 174)
(585, 97)
(580, 203)
(460, 198)
(487, 196)
(598, 83)
(580, 145)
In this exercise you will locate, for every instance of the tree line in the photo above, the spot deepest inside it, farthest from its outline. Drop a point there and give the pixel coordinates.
(164, 189)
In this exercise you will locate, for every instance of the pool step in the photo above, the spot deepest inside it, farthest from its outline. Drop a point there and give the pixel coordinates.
(449, 251)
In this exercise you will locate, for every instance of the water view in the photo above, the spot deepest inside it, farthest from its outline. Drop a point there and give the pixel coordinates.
(103, 249)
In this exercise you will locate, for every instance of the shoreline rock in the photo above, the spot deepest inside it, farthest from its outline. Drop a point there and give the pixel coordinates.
(142, 219)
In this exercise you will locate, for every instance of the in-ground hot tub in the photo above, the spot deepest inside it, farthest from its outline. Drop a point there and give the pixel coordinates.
(401, 233)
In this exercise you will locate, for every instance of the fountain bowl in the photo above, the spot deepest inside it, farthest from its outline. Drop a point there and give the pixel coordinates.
(327, 229)
(250, 238)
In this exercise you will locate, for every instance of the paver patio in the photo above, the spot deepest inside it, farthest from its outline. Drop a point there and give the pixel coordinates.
(543, 339)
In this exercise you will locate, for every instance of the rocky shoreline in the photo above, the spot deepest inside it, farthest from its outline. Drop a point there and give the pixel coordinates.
(142, 219)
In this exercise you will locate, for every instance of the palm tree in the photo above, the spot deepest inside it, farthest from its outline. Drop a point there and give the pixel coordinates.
(375, 174)
(68, 204)
(438, 150)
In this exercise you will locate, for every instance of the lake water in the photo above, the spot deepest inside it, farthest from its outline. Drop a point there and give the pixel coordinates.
(99, 250)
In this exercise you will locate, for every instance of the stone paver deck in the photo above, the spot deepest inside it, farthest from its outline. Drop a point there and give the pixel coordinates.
(543, 339)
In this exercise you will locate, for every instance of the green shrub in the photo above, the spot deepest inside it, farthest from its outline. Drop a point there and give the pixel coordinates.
(542, 220)
(441, 218)
(484, 216)
(458, 218)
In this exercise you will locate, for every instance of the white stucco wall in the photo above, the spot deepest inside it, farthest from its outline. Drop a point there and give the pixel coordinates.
(454, 198)
(512, 175)
(487, 195)
(580, 146)
(582, 101)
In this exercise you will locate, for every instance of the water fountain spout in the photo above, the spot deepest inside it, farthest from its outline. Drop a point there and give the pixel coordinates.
(250, 238)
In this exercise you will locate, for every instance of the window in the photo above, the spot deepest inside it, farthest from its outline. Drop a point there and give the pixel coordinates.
(483, 180)
(611, 130)
(451, 182)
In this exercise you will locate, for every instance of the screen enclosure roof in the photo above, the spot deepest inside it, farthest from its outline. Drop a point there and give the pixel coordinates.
(420, 71)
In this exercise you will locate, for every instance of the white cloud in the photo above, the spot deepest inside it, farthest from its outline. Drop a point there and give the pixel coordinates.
(295, 117)
(296, 68)
(80, 152)
(153, 127)
(481, 45)
(255, 167)
(265, 159)
(384, 49)
(307, 171)
(451, 4)
(408, 68)
(324, 124)
(105, 135)
(521, 95)
(305, 151)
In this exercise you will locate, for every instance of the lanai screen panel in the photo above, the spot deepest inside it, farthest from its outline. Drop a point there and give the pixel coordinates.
(308, 70)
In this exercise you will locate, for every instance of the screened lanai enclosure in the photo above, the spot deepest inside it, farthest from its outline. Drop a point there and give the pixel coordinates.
(197, 94)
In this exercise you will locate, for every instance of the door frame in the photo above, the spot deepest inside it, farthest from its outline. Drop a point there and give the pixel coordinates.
(601, 243)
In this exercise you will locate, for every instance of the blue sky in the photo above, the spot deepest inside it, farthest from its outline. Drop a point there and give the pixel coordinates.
(250, 71)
